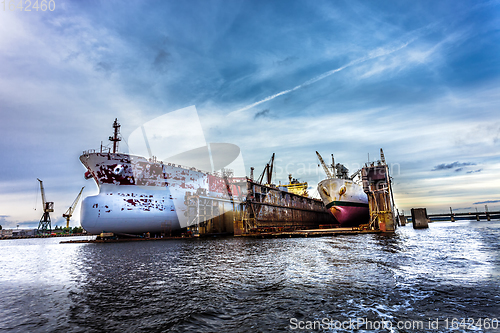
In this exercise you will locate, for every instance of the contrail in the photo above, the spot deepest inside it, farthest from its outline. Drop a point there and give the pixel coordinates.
(372, 55)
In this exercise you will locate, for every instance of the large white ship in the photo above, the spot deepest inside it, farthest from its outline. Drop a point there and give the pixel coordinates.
(342, 196)
(138, 195)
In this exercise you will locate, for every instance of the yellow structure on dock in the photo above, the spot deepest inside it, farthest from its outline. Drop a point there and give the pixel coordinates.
(295, 187)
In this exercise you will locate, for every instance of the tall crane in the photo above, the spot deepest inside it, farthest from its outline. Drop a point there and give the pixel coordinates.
(327, 171)
(71, 208)
(48, 207)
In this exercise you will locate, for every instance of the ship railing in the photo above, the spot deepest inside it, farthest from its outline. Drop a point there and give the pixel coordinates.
(179, 166)
(103, 150)
(213, 173)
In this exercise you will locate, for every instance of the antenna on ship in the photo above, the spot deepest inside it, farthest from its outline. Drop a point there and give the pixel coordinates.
(116, 136)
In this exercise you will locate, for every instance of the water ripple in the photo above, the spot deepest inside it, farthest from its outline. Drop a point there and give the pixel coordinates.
(450, 270)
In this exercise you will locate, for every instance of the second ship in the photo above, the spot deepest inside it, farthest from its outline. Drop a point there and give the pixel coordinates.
(342, 196)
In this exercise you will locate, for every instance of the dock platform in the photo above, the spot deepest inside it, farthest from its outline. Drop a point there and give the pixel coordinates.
(271, 234)
(122, 240)
(311, 233)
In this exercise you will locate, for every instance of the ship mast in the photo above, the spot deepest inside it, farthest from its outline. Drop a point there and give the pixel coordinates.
(116, 136)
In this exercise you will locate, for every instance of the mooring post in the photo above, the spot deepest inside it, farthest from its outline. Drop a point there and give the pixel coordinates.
(487, 213)
(402, 220)
(419, 218)
(452, 216)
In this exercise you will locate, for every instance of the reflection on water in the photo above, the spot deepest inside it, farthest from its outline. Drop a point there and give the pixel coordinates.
(450, 270)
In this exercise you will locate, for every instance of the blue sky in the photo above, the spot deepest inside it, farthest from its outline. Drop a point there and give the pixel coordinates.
(419, 79)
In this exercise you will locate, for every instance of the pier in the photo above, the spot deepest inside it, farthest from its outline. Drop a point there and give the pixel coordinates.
(473, 215)
(478, 216)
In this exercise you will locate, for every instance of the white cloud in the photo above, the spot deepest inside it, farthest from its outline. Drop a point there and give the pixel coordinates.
(69, 75)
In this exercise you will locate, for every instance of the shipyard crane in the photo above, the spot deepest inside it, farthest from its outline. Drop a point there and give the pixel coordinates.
(48, 207)
(71, 208)
(269, 170)
(355, 174)
(327, 171)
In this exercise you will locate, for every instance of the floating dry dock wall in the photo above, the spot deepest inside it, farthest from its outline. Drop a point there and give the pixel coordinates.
(272, 208)
(253, 207)
(377, 186)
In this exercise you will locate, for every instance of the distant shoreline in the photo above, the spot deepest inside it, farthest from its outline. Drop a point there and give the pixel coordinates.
(44, 236)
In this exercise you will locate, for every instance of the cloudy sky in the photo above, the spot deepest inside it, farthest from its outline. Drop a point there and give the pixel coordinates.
(420, 79)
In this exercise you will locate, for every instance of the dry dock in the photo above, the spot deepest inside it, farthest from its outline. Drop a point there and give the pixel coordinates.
(257, 210)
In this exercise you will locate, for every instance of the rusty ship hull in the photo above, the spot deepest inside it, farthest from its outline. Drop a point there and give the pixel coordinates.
(345, 200)
(139, 195)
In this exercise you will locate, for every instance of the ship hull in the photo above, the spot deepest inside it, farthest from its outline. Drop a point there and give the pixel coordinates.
(345, 200)
(130, 210)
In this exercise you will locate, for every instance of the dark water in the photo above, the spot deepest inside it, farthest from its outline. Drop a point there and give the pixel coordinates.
(451, 270)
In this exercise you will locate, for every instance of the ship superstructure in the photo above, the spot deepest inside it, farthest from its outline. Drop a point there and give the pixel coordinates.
(296, 187)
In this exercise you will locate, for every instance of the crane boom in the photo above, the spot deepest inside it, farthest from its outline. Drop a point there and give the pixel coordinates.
(43, 193)
(269, 170)
(355, 174)
(327, 171)
(71, 208)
